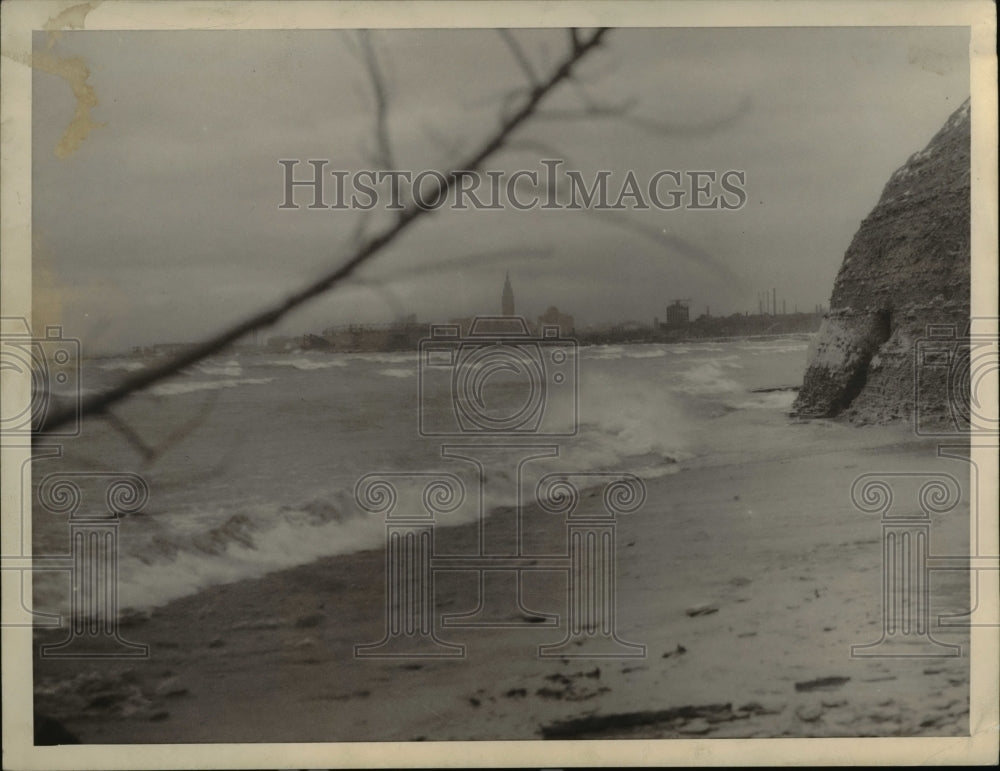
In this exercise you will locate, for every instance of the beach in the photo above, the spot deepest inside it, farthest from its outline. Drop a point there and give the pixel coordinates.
(747, 575)
(669, 418)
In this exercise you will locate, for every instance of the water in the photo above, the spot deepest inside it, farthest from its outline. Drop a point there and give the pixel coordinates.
(257, 455)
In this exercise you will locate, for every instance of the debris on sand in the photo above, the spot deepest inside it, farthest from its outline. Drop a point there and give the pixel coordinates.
(704, 609)
(689, 719)
(809, 713)
(821, 684)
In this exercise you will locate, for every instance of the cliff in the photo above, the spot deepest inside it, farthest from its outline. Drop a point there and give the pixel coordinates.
(906, 269)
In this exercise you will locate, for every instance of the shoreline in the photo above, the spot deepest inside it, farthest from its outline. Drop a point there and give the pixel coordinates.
(243, 350)
(786, 574)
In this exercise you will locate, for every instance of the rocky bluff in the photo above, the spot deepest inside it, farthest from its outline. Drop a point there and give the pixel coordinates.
(907, 269)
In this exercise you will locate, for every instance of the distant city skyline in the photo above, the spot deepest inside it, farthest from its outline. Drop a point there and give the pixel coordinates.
(678, 314)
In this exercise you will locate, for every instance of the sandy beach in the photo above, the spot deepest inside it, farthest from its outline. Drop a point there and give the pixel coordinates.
(747, 578)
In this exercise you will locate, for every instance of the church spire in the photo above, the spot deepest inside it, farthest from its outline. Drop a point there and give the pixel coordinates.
(507, 298)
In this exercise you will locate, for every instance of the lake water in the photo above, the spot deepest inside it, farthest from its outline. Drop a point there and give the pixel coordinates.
(258, 455)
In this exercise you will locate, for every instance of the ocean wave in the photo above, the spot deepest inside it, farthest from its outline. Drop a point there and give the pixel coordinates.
(646, 353)
(706, 348)
(639, 412)
(627, 418)
(251, 540)
(604, 352)
(401, 357)
(176, 388)
(708, 378)
(127, 366)
(783, 347)
(236, 552)
(303, 363)
(230, 368)
(775, 400)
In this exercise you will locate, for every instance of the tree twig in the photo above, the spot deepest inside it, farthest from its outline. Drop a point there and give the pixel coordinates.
(519, 55)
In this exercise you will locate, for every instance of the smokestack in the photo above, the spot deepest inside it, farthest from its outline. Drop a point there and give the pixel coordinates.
(774, 302)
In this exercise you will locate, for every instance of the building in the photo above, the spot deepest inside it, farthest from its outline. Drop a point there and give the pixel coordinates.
(400, 335)
(564, 321)
(507, 298)
(678, 314)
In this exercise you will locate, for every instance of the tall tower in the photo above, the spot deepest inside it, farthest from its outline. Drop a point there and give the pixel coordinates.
(507, 298)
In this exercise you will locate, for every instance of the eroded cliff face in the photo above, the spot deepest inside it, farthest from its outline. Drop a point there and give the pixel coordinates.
(907, 269)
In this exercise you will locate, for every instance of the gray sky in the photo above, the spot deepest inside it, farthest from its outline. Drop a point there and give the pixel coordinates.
(164, 224)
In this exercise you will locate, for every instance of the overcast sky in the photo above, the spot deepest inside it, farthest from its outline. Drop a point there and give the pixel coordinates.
(164, 223)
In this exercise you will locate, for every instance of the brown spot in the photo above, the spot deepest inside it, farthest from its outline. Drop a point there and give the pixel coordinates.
(72, 18)
(73, 70)
(76, 73)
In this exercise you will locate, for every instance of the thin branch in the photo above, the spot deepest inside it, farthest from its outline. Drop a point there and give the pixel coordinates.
(378, 287)
(710, 125)
(620, 219)
(540, 148)
(447, 146)
(383, 155)
(133, 438)
(592, 109)
(136, 381)
(622, 112)
(574, 39)
(187, 427)
(151, 453)
(383, 145)
(519, 55)
(661, 237)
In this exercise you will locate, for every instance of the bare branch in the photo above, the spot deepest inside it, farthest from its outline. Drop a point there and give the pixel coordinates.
(187, 427)
(383, 145)
(622, 112)
(378, 286)
(655, 234)
(710, 125)
(383, 155)
(151, 453)
(136, 381)
(661, 237)
(591, 109)
(349, 39)
(360, 224)
(543, 149)
(519, 55)
(574, 39)
(130, 435)
(448, 146)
